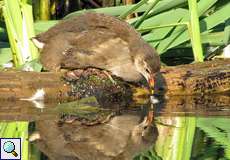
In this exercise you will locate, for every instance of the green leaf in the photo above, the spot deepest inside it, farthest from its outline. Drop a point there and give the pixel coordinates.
(29, 27)
(143, 17)
(132, 10)
(42, 26)
(5, 55)
(194, 30)
(118, 10)
(227, 31)
(33, 65)
(165, 5)
(172, 16)
(19, 23)
(180, 35)
(215, 39)
(217, 128)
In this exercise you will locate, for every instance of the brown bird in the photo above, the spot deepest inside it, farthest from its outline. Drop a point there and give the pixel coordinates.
(100, 41)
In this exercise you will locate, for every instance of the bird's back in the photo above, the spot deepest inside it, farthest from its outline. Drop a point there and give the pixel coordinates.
(92, 21)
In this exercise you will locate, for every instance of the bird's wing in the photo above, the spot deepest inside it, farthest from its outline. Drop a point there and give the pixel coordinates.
(97, 48)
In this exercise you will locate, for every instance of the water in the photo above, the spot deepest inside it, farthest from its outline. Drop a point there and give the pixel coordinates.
(184, 128)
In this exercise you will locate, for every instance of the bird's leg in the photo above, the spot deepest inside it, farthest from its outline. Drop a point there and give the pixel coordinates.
(74, 74)
(150, 116)
(110, 77)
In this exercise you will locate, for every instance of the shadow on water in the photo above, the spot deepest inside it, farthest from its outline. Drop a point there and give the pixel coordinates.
(185, 127)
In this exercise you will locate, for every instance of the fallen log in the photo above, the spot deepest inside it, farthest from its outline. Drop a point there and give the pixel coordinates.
(18, 84)
(200, 78)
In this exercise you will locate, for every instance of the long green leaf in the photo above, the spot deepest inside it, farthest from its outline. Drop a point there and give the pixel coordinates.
(138, 23)
(195, 31)
(134, 8)
(205, 24)
(227, 31)
(27, 17)
(178, 14)
(118, 10)
(12, 34)
(42, 26)
(167, 5)
(19, 23)
(213, 39)
(217, 129)
(158, 34)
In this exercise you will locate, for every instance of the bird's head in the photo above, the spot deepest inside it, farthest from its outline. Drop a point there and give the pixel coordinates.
(147, 62)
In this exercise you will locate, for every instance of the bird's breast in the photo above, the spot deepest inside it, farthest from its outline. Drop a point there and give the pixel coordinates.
(126, 71)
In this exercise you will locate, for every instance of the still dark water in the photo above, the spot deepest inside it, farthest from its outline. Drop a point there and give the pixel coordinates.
(184, 128)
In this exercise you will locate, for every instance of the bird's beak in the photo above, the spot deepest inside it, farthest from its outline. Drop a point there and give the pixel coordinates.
(151, 82)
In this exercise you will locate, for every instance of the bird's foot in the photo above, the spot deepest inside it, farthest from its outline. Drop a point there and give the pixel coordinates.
(110, 77)
(74, 75)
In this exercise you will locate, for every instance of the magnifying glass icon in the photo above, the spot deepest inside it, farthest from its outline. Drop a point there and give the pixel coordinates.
(9, 147)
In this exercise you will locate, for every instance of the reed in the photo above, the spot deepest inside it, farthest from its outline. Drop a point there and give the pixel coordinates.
(19, 23)
(194, 31)
(177, 140)
(44, 10)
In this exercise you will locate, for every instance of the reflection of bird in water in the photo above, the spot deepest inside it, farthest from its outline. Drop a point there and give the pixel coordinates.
(120, 139)
(142, 137)
(140, 130)
(100, 41)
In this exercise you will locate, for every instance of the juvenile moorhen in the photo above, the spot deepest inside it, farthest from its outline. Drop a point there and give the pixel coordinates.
(100, 41)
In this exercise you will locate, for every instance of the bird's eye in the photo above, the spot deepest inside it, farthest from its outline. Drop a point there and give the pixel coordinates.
(147, 70)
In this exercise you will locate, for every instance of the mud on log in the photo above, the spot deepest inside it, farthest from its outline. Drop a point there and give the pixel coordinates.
(199, 78)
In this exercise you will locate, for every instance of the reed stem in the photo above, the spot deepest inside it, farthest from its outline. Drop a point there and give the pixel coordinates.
(194, 31)
(44, 9)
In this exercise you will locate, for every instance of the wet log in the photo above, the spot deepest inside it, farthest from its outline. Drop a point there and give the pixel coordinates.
(200, 78)
(18, 84)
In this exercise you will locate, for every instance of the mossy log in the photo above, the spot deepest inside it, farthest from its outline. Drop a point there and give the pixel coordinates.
(200, 78)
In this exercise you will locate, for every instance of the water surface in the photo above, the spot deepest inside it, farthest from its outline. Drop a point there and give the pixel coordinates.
(183, 128)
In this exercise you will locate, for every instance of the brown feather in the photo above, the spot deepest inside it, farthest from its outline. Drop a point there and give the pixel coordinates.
(96, 40)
